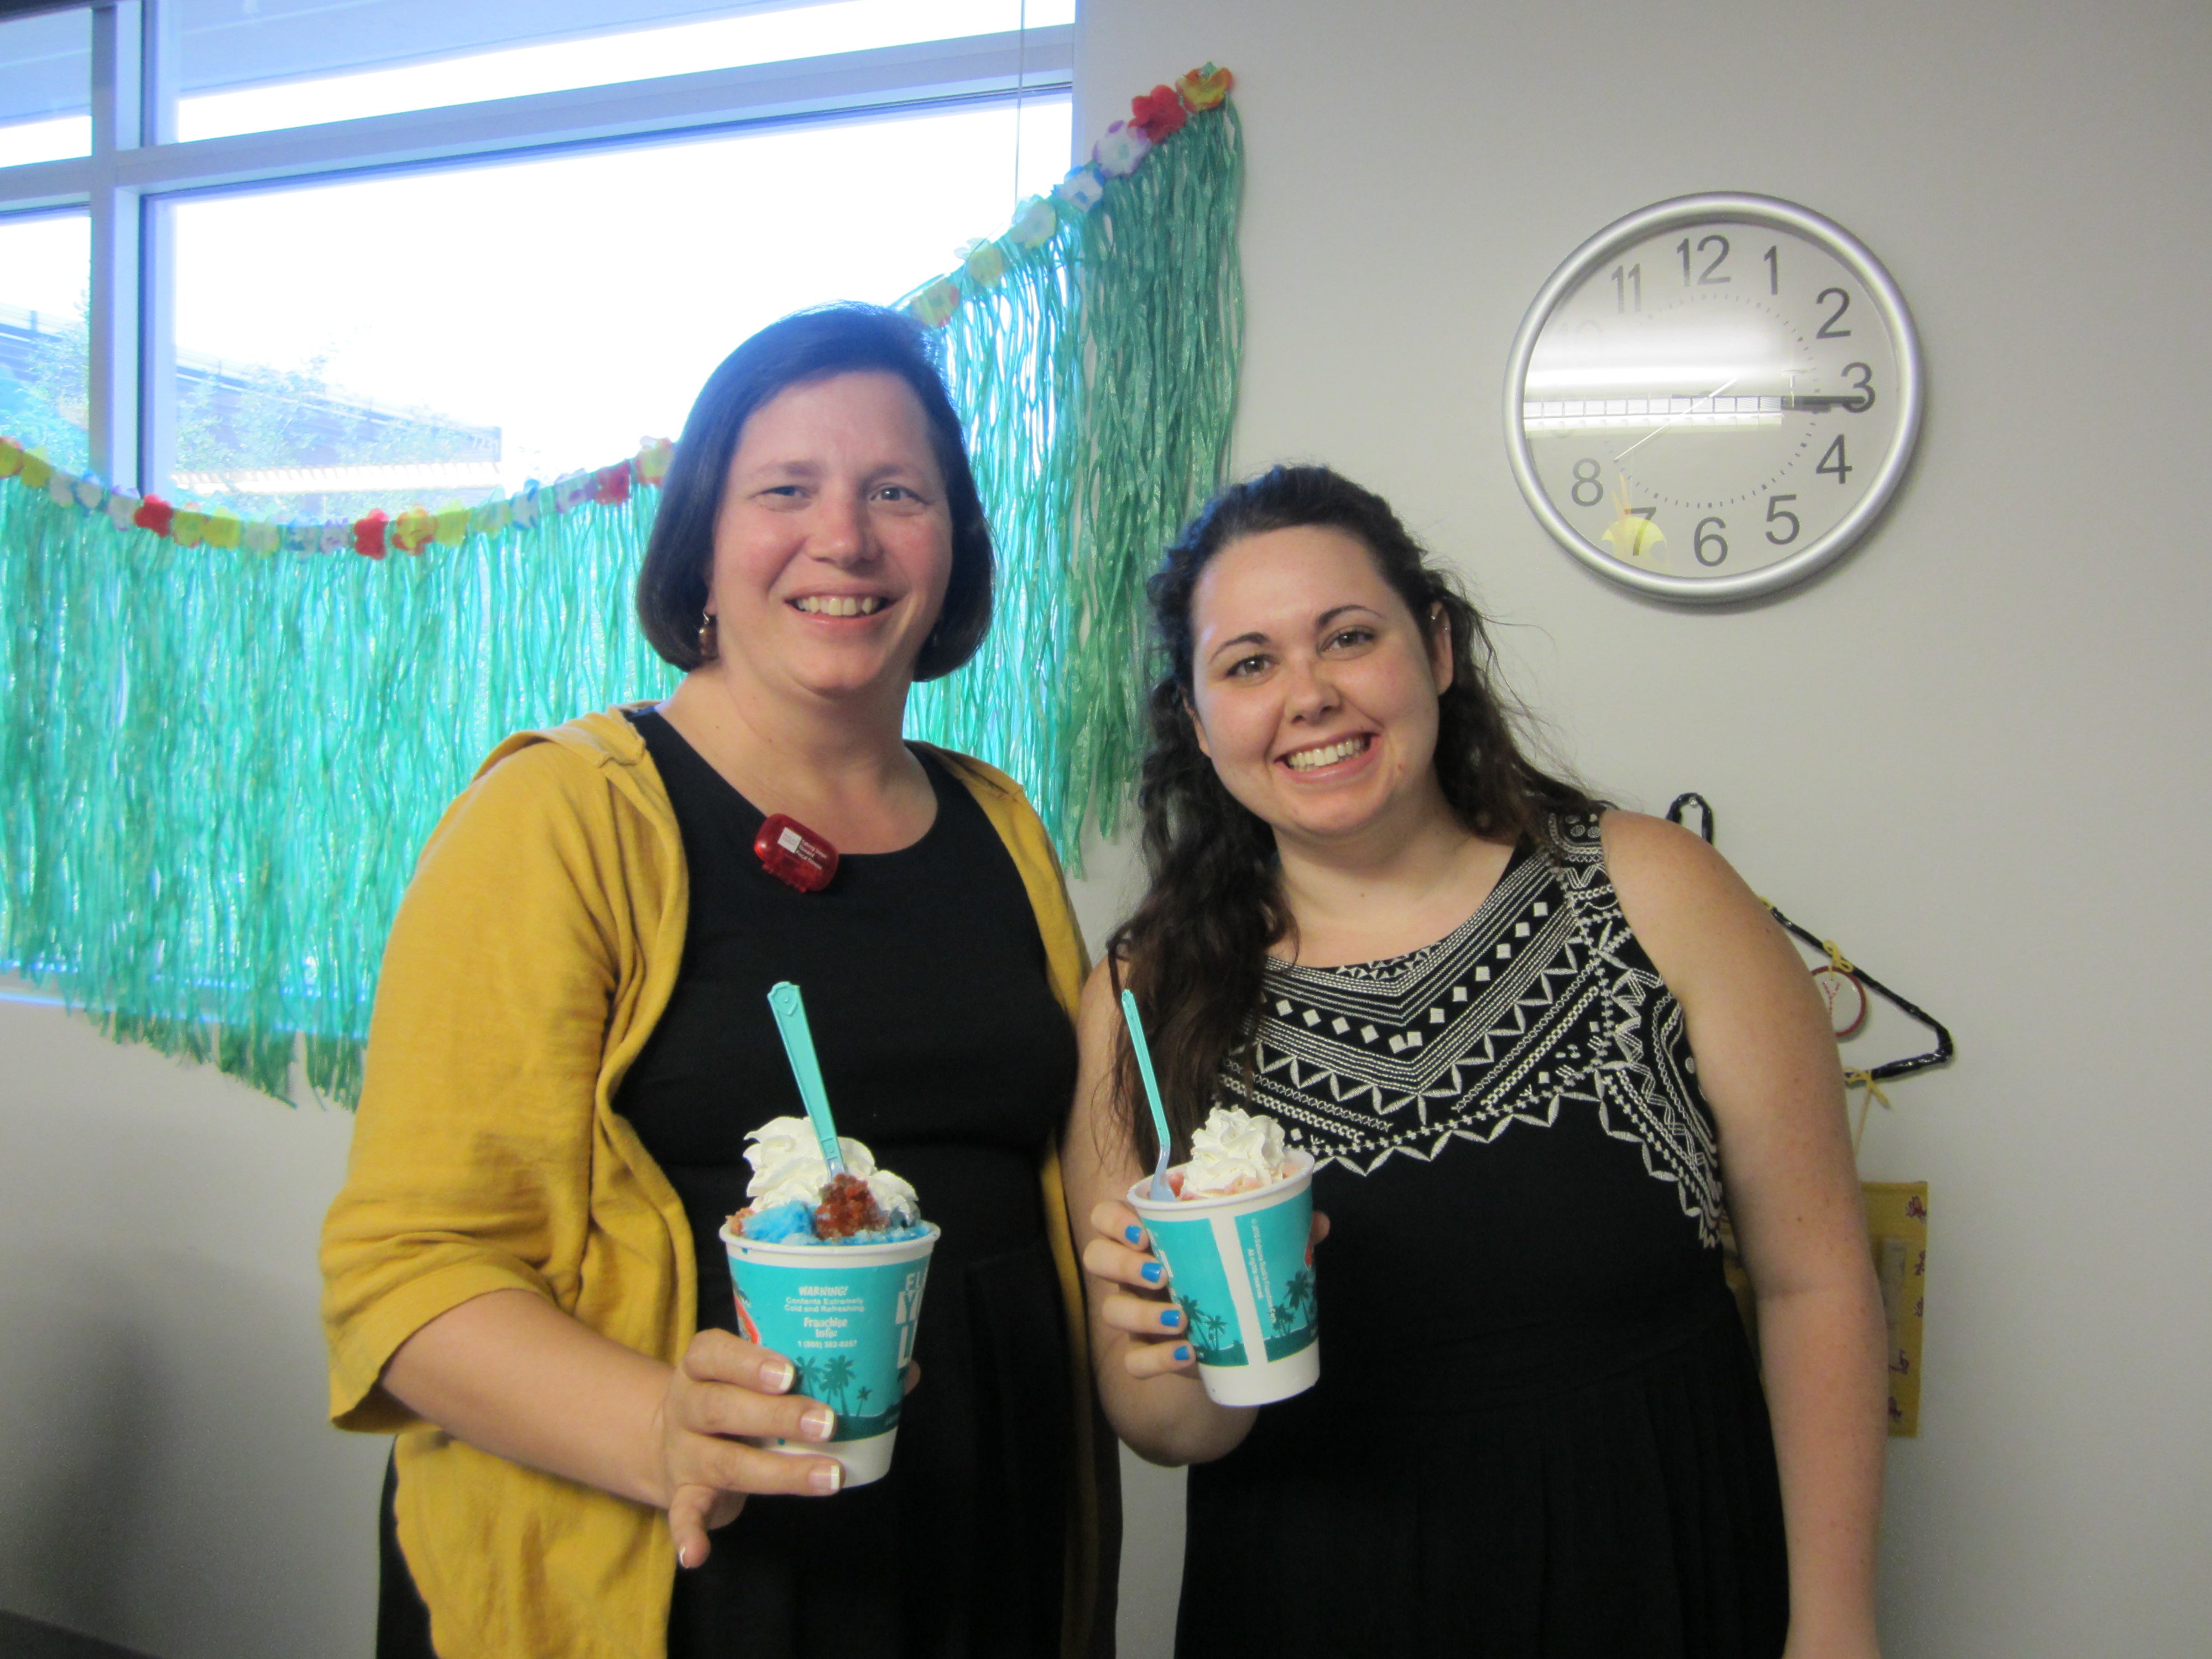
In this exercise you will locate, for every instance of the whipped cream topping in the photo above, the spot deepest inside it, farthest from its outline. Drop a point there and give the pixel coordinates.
(788, 1168)
(1234, 1151)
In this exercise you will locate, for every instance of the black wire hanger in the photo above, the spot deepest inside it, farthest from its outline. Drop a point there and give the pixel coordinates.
(1939, 1055)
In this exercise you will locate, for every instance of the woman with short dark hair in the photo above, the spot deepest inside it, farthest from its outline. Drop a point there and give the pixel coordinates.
(1522, 1036)
(572, 1041)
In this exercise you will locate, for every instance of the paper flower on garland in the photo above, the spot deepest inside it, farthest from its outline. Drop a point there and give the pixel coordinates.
(61, 490)
(1081, 189)
(1159, 113)
(37, 471)
(369, 534)
(187, 526)
(1035, 225)
(11, 457)
(303, 536)
(1204, 89)
(1121, 151)
(935, 304)
(223, 529)
(412, 530)
(122, 509)
(89, 491)
(985, 264)
(261, 536)
(610, 484)
(653, 459)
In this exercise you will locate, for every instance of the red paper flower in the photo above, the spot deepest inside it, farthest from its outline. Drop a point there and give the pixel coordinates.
(369, 534)
(1159, 113)
(154, 515)
(610, 484)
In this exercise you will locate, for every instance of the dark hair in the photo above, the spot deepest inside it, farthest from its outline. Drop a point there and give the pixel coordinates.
(806, 346)
(1196, 948)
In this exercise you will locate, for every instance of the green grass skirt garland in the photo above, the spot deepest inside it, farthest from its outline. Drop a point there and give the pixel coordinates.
(217, 767)
(1099, 383)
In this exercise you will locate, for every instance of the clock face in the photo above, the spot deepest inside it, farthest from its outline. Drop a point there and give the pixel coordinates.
(1713, 398)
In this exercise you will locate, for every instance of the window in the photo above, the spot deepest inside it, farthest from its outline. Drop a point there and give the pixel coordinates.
(44, 384)
(400, 251)
(46, 87)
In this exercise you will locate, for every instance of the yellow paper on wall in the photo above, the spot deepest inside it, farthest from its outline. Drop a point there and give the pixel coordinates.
(1897, 1222)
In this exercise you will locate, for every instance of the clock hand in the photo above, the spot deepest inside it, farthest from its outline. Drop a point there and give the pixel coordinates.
(1656, 430)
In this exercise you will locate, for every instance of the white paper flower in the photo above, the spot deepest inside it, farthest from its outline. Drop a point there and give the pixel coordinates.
(1121, 150)
(1081, 189)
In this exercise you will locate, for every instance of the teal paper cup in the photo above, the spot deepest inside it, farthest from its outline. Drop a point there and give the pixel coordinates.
(1241, 1270)
(845, 1316)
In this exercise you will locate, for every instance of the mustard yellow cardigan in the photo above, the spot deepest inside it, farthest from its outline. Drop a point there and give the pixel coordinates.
(535, 950)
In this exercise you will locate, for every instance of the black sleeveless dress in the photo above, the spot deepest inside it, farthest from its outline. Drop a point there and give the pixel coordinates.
(1539, 1432)
(943, 1048)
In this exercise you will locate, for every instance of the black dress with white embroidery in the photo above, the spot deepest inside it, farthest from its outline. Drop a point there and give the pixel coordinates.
(1539, 1431)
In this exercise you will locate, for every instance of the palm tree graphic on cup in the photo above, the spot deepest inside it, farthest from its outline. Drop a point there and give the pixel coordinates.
(1297, 1307)
(1207, 1330)
(828, 1379)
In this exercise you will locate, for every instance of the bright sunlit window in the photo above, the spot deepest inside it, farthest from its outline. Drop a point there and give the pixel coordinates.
(43, 368)
(579, 315)
(46, 87)
(289, 51)
(325, 337)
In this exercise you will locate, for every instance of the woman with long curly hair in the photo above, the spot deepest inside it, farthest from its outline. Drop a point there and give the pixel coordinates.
(1522, 1036)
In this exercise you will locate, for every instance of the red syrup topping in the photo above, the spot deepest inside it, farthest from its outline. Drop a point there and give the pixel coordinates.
(847, 1207)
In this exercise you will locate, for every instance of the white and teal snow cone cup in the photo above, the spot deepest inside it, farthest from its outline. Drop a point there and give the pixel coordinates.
(1241, 1269)
(845, 1316)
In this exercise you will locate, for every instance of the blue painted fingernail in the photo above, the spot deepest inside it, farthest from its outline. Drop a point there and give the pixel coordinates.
(1152, 1273)
(1171, 1316)
(1183, 1351)
(1135, 1235)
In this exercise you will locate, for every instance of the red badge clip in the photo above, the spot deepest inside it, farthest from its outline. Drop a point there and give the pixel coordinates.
(794, 854)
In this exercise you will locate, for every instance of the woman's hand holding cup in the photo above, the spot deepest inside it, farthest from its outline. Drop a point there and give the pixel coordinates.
(1122, 1253)
(723, 1392)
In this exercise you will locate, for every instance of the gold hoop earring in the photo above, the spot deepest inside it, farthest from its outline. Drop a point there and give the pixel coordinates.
(708, 646)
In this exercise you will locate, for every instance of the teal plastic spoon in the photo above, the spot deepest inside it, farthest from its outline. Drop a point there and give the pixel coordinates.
(790, 1011)
(1161, 1191)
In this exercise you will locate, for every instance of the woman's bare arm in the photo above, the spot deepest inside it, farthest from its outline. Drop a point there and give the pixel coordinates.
(1767, 1064)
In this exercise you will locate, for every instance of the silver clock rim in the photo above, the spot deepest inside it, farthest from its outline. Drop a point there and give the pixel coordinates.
(1663, 217)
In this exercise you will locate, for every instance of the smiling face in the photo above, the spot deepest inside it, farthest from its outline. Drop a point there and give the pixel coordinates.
(834, 545)
(1313, 688)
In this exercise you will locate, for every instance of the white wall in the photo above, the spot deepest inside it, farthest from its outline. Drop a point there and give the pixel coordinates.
(168, 1477)
(1970, 753)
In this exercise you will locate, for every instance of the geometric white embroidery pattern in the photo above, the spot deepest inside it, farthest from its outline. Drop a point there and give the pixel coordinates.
(1541, 1002)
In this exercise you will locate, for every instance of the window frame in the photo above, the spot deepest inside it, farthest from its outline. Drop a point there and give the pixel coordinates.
(136, 168)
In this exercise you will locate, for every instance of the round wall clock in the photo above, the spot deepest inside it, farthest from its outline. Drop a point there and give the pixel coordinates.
(1713, 398)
